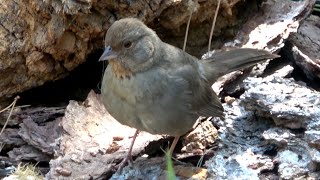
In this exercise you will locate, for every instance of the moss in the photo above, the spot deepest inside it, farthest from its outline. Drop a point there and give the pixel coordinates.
(27, 172)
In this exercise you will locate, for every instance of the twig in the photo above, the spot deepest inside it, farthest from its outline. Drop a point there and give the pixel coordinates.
(6, 107)
(213, 24)
(1, 146)
(188, 25)
(12, 105)
(175, 159)
(187, 31)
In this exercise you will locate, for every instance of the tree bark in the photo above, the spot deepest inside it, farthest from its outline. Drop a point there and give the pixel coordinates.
(42, 41)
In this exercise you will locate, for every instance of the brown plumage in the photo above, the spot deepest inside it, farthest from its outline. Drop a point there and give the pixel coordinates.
(120, 70)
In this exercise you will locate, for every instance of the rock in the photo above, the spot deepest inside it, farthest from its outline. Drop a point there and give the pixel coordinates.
(241, 152)
(278, 136)
(155, 168)
(289, 104)
(203, 136)
(313, 138)
(92, 142)
(292, 165)
(304, 47)
(27, 152)
(271, 131)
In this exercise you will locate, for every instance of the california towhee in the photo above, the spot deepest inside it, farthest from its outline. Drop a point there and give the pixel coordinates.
(155, 87)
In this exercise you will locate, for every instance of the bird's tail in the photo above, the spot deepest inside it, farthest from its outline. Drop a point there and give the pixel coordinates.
(222, 63)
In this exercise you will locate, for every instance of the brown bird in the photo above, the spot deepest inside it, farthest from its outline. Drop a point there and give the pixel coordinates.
(155, 87)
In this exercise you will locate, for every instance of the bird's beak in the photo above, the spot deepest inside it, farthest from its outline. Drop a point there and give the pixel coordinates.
(108, 54)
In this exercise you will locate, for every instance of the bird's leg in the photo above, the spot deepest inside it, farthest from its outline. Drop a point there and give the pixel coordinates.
(174, 143)
(128, 158)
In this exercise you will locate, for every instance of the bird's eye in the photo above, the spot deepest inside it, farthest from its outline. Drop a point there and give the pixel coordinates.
(127, 44)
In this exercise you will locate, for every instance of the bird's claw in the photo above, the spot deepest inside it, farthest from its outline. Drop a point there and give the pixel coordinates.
(127, 160)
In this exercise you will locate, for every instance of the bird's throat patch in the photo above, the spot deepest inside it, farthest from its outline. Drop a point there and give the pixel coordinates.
(120, 70)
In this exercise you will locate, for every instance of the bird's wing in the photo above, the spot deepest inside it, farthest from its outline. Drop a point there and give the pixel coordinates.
(188, 72)
(202, 98)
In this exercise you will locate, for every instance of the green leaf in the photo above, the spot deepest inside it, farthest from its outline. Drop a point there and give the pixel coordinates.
(171, 175)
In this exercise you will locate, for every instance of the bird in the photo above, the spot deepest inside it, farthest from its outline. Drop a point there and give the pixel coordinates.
(155, 87)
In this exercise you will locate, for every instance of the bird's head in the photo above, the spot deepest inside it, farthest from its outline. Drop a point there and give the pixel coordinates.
(131, 44)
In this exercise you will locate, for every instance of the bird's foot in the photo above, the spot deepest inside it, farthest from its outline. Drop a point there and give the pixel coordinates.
(124, 162)
(128, 158)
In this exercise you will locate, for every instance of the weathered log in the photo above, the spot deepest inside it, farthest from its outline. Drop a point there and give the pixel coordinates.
(11, 137)
(27, 152)
(38, 115)
(93, 142)
(44, 137)
(268, 29)
(305, 47)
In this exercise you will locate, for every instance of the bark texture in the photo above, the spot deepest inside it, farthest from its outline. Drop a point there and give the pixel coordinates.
(43, 40)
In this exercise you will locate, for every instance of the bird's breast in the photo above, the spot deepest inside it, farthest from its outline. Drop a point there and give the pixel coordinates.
(151, 101)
